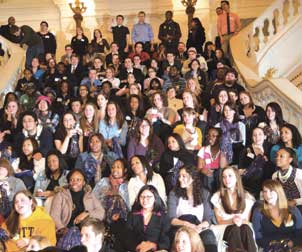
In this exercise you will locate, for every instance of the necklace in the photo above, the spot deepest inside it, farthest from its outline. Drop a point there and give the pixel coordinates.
(284, 177)
(214, 156)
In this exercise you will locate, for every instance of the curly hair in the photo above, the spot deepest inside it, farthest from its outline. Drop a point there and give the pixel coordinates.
(197, 185)
(296, 136)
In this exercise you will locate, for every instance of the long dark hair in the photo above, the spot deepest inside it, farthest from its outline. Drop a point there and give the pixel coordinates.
(158, 206)
(225, 200)
(179, 140)
(206, 51)
(145, 165)
(197, 23)
(61, 124)
(62, 163)
(12, 221)
(197, 186)
(218, 93)
(279, 114)
(233, 107)
(296, 140)
(140, 110)
(94, 37)
(25, 163)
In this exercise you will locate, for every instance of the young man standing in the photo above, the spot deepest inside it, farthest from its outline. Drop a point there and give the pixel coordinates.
(228, 25)
(121, 34)
(142, 32)
(169, 32)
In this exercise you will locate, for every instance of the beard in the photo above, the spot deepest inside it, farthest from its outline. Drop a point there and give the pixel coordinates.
(230, 82)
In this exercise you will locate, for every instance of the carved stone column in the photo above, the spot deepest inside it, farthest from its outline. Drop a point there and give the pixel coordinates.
(190, 9)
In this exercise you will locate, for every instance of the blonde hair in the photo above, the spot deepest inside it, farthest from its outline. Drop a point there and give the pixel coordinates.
(95, 121)
(196, 242)
(194, 98)
(198, 89)
(6, 164)
(274, 185)
(42, 241)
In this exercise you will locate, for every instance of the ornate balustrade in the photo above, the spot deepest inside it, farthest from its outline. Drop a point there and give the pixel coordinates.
(4, 58)
(11, 70)
(266, 51)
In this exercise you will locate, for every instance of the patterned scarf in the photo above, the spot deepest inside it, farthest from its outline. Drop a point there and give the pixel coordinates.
(90, 167)
(231, 134)
(288, 183)
(175, 172)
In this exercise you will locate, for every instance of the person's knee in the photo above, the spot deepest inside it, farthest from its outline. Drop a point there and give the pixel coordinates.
(233, 229)
(245, 229)
(208, 237)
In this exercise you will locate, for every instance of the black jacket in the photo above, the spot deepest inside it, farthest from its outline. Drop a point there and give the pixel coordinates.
(156, 231)
(196, 40)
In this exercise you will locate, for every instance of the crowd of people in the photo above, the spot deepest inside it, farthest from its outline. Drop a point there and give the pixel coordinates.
(134, 146)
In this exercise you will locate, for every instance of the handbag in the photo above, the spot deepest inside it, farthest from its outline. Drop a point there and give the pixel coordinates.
(71, 239)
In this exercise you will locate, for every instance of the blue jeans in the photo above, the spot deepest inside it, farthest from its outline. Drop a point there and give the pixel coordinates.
(33, 51)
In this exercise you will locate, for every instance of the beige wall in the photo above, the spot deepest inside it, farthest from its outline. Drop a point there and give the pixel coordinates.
(101, 12)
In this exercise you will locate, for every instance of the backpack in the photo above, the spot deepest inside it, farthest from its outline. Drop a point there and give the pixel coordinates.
(71, 239)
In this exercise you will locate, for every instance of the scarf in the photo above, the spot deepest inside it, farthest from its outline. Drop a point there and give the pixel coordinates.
(231, 134)
(175, 172)
(90, 167)
(288, 183)
(115, 183)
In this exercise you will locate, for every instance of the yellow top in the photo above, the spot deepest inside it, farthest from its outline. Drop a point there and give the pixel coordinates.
(191, 139)
(39, 223)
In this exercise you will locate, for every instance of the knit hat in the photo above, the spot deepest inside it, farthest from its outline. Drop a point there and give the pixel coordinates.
(192, 49)
(48, 90)
(43, 98)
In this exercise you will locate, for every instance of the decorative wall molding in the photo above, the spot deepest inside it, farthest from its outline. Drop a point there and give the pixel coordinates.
(11, 71)
(270, 43)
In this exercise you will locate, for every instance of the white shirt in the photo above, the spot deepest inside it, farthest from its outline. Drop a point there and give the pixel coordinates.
(135, 184)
